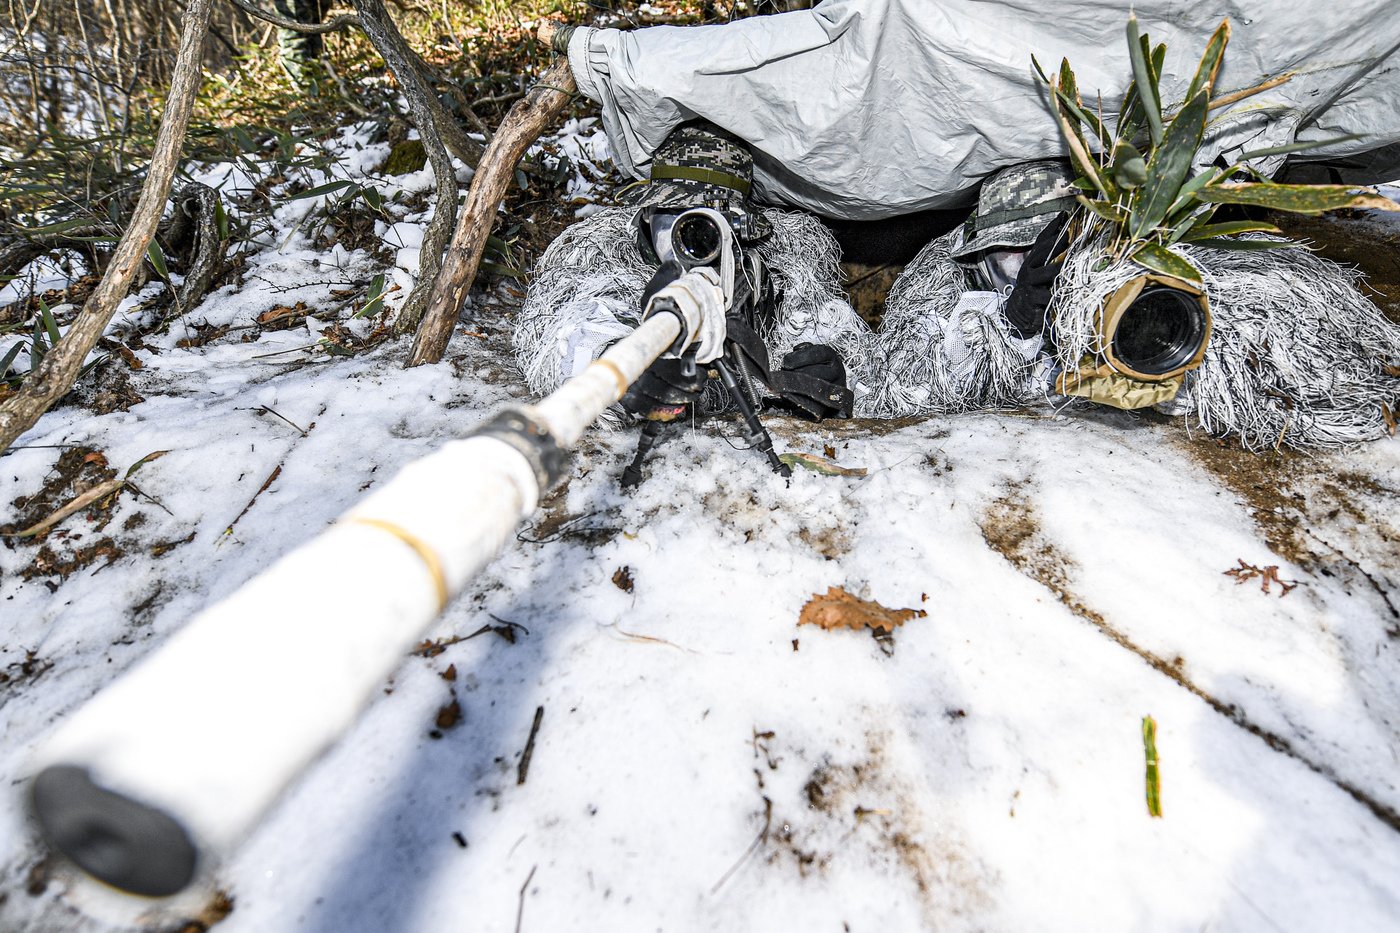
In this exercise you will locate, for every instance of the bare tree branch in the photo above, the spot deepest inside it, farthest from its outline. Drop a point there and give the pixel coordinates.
(56, 372)
(282, 22)
(523, 124)
(433, 123)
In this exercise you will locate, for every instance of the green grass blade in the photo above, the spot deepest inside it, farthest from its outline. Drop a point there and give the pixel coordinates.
(1209, 68)
(1146, 84)
(1154, 777)
(1162, 260)
(1169, 165)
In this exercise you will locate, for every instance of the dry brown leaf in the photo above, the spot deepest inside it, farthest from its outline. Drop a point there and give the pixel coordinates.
(839, 609)
(622, 579)
(449, 715)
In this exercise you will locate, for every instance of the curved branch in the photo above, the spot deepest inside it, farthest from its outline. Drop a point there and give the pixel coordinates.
(432, 122)
(282, 22)
(522, 126)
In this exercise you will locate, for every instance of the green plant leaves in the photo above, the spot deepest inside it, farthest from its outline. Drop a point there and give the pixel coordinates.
(1297, 199)
(1103, 210)
(1210, 61)
(1129, 167)
(374, 301)
(157, 257)
(328, 188)
(1146, 81)
(1162, 260)
(1207, 231)
(1169, 165)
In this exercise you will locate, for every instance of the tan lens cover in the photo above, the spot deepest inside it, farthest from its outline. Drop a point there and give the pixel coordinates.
(1117, 304)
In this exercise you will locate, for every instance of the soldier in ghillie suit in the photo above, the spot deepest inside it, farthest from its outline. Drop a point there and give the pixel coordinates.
(803, 345)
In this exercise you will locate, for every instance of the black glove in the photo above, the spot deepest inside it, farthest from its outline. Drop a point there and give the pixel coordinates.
(662, 392)
(1030, 299)
(812, 381)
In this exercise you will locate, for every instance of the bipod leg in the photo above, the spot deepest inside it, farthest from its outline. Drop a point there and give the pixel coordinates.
(652, 433)
(757, 435)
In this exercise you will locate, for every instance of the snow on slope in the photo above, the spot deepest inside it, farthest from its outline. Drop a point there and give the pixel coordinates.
(703, 763)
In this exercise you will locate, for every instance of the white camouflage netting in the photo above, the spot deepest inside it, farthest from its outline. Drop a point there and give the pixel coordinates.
(1298, 354)
(943, 349)
(587, 286)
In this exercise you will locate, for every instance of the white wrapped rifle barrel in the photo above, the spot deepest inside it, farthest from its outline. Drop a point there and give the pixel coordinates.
(179, 758)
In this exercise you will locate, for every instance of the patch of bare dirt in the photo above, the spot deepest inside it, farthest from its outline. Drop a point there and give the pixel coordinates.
(1011, 527)
(78, 469)
(1340, 523)
(1348, 237)
(863, 811)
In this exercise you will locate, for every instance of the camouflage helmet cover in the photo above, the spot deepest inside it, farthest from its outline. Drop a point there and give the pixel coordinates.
(1014, 205)
(698, 163)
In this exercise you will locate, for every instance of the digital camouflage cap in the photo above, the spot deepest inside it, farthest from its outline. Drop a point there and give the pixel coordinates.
(1014, 205)
(698, 163)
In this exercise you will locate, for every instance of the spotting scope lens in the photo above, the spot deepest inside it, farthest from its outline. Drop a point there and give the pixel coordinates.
(696, 239)
(1161, 331)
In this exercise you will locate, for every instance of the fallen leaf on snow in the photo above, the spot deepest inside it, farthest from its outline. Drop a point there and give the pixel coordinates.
(1265, 575)
(839, 609)
(622, 579)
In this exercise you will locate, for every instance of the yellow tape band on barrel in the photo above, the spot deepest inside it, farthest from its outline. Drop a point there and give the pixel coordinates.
(611, 367)
(427, 554)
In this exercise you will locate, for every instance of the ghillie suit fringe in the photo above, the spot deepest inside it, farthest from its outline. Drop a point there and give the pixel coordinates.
(593, 275)
(920, 371)
(1298, 355)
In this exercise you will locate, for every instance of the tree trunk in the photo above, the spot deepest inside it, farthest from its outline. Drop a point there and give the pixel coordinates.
(527, 118)
(60, 366)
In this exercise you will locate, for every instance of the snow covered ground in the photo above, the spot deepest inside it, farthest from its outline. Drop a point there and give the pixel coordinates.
(701, 762)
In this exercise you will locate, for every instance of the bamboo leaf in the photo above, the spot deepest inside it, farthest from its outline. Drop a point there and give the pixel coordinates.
(1214, 54)
(50, 325)
(1246, 246)
(157, 258)
(1296, 147)
(1129, 168)
(375, 299)
(1169, 165)
(1233, 228)
(10, 358)
(1297, 199)
(316, 192)
(1162, 260)
(153, 455)
(1084, 163)
(1146, 83)
(1103, 210)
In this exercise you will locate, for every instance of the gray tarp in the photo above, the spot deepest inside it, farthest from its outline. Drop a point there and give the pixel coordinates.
(871, 108)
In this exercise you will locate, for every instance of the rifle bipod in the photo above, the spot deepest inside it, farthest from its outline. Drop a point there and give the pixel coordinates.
(757, 436)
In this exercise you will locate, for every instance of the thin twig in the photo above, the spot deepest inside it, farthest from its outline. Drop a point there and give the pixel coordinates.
(529, 752)
(520, 911)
